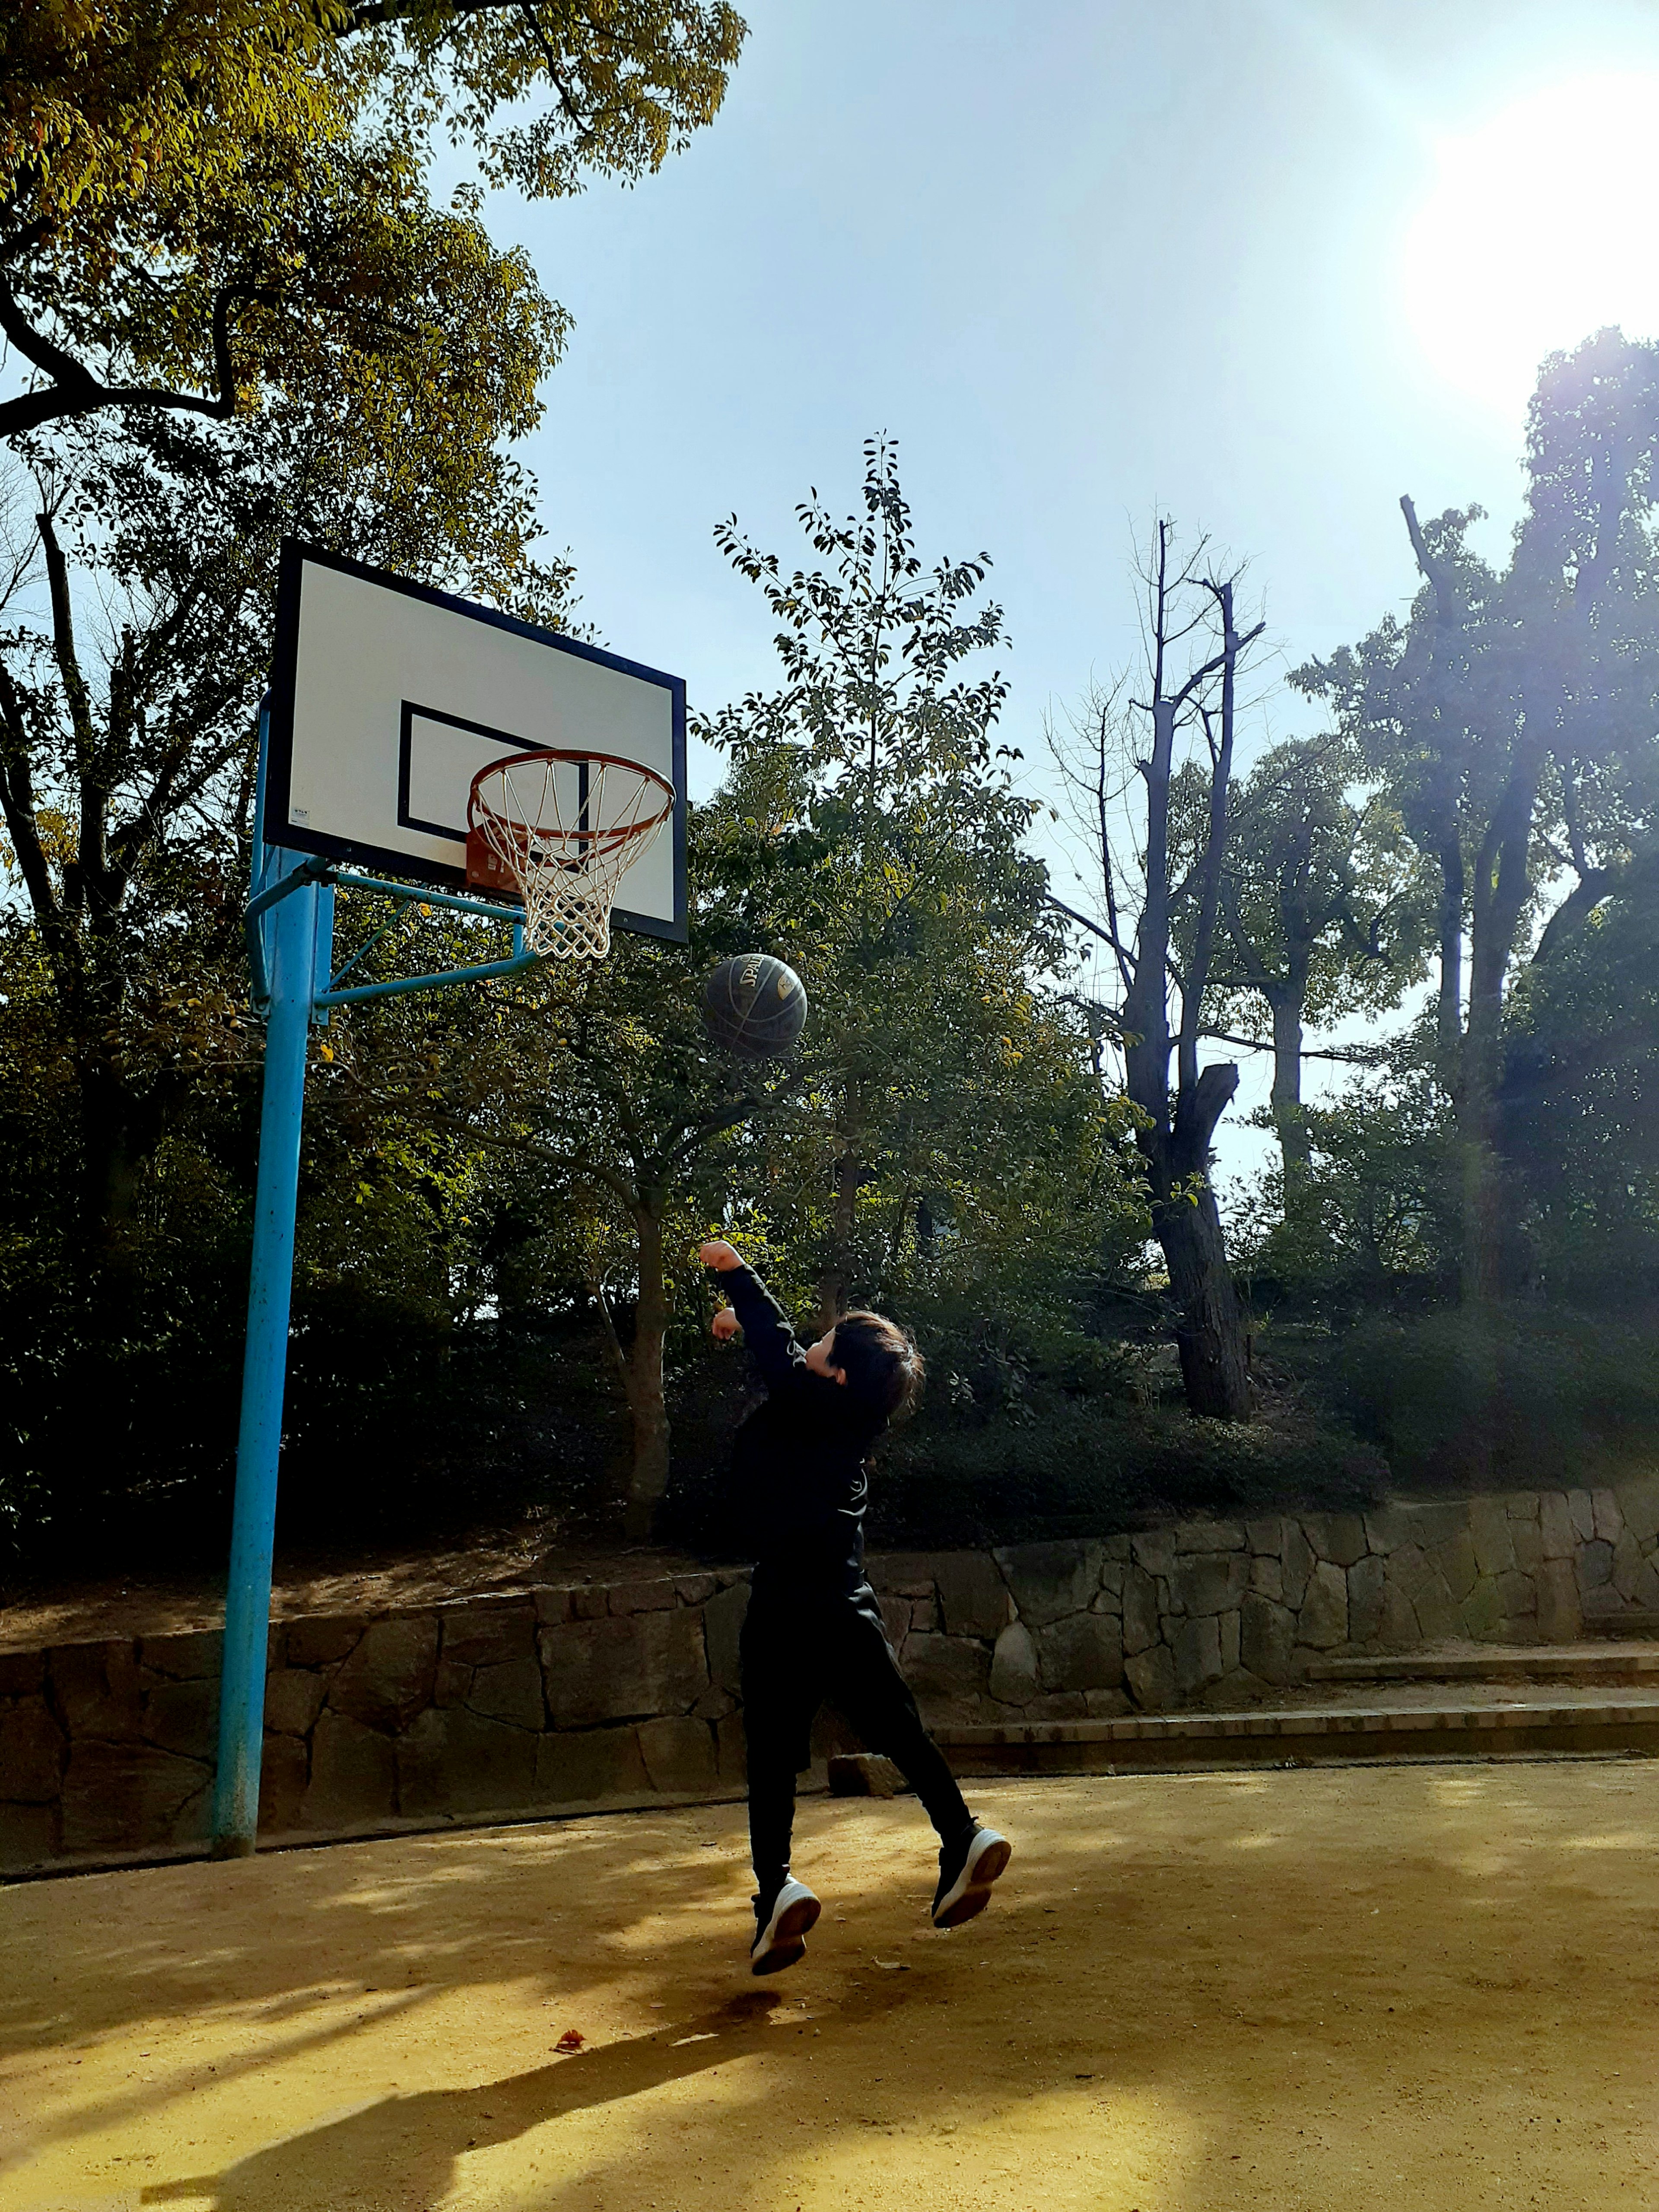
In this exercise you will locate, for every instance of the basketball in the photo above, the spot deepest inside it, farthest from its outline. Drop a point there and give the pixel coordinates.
(755, 1006)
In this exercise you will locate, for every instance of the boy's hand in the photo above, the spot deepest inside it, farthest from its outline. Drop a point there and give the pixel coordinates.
(720, 1256)
(725, 1326)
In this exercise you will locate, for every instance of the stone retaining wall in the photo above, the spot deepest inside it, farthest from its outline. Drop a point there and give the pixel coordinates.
(552, 1697)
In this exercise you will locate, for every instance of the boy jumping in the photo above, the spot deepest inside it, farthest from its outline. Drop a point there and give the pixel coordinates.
(813, 1629)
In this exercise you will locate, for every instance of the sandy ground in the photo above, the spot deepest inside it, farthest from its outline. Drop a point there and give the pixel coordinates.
(1419, 1988)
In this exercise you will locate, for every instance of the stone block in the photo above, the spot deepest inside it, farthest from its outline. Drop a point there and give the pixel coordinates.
(1049, 1581)
(450, 1760)
(1456, 1562)
(907, 1574)
(1559, 1537)
(192, 1658)
(32, 1749)
(864, 1774)
(924, 1613)
(1400, 1630)
(1595, 1566)
(722, 1621)
(97, 1687)
(1119, 1546)
(1367, 1579)
(1609, 1520)
(1408, 1566)
(390, 1673)
(1059, 1705)
(1267, 1578)
(21, 1672)
(1527, 1542)
(1337, 1538)
(973, 1597)
(1628, 1566)
(1324, 1615)
(1209, 1536)
(553, 1604)
(452, 1685)
(126, 1796)
(1197, 1651)
(354, 1774)
(294, 1698)
(732, 1751)
(1436, 1521)
(695, 1589)
(1230, 1643)
(1141, 1629)
(679, 1755)
(1106, 1705)
(1150, 1678)
(28, 1836)
(284, 1773)
(713, 1706)
(657, 1595)
(630, 1668)
(1265, 1538)
(895, 1618)
(1521, 1504)
(1266, 1633)
(1518, 1595)
(1490, 1531)
(510, 1692)
(322, 1639)
(1387, 1527)
(487, 1632)
(1558, 1602)
(1298, 1564)
(946, 1672)
(1210, 1582)
(1154, 1550)
(1437, 1616)
(183, 1716)
(1482, 1612)
(1082, 1653)
(1639, 1501)
(1013, 1679)
(589, 1764)
(1581, 1510)
(587, 1603)
(1112, 1572)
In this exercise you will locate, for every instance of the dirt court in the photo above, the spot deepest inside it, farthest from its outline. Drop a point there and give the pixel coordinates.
(1415, 1987)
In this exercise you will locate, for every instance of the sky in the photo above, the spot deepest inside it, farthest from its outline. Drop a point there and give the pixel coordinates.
(1262, 266)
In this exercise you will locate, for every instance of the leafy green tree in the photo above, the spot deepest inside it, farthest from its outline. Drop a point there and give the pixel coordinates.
(1510, 719)
(1324, 911)
(199, 210)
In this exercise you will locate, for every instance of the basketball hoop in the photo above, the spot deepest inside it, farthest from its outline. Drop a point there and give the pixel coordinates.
(560, 830)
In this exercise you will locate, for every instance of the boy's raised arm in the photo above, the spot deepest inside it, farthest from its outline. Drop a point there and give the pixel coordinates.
(766, 1329)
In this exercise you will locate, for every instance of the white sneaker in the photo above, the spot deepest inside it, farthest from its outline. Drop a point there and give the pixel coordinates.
(966, 1872)
(781, 1938)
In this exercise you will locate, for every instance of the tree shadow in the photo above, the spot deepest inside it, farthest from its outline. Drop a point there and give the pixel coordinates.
(404, 2150)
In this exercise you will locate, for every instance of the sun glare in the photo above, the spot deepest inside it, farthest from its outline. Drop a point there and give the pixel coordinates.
(1541, 225)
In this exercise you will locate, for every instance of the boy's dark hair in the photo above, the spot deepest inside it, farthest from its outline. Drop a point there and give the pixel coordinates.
(884, 1368)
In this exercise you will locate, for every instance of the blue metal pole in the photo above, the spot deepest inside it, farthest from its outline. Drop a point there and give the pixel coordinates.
(294, 928)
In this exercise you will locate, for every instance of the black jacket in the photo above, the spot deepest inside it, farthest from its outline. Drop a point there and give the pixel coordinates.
(798, 1460)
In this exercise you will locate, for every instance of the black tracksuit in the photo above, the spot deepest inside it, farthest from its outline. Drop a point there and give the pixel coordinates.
(813, 1629)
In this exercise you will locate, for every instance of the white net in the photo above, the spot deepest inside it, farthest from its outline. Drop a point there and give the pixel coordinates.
(566, 828)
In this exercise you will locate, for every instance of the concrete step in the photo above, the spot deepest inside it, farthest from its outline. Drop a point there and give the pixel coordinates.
(1628, 1620)
(1514, 1727)
(1622, 1662)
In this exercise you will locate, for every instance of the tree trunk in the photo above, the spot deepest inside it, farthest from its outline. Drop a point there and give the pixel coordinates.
(643, 1377)
(1210, 1334)
(1290, 1122)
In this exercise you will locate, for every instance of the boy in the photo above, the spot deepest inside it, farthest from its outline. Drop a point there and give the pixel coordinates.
(813, 1629)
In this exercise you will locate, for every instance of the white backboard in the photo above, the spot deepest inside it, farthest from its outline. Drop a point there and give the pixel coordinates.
(387, 697)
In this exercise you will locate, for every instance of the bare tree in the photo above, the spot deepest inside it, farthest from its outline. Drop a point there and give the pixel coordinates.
(1160, 874)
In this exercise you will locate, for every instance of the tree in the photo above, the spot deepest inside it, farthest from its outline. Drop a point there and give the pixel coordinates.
(911, 907)
(198, 211)
(1196, 651)
(1322, 911)
(1511, 718)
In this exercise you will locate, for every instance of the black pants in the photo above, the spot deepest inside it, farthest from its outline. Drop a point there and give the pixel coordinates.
(798, 1653)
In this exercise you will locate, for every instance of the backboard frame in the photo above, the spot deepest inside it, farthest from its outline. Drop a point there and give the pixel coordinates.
(389, 860)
